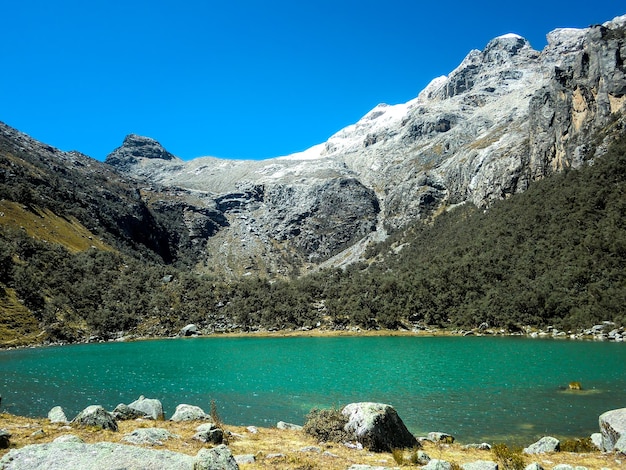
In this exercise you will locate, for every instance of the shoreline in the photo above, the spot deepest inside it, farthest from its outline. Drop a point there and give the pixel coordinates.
(529, 332)
(279, 448)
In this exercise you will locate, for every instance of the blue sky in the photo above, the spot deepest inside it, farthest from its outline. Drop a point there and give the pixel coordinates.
(240, 78)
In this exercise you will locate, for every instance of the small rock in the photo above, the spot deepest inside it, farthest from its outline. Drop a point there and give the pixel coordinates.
(422, 457)
(209, 433)
(96, 416)
(189, 330)
(252, 429)
(284, 426)
(57, 415)
(480, 465)
(5, 437)
(189, 413)
(436, 464)
(68, 438)
(275, 456)
(313, 449)
(596, 440)
(533, 466)
(440, 437)
(38, 434)
(481, 446)
(543, 445)
(245, 459)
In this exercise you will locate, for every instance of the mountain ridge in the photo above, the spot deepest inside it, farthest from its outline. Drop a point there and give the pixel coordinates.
(507, 115)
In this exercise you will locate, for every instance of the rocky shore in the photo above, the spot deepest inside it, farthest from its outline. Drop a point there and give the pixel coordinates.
(373, 437)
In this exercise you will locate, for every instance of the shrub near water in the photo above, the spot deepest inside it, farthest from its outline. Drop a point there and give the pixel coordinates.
(327, 425)
(508, 459)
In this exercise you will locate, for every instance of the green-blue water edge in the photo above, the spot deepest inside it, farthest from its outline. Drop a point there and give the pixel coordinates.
(478, 389)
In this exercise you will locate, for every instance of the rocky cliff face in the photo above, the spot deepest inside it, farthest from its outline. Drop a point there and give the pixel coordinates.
(505, 116)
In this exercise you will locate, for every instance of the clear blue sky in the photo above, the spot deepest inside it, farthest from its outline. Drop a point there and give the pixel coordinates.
(240, 78)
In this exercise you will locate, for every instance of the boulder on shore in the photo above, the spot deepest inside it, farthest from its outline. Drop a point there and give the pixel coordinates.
(57, 415)
(150, 407)
(378, 427)
(613, 428)
(544, 445)
(96, 416)
(189, 413)
(5, 437)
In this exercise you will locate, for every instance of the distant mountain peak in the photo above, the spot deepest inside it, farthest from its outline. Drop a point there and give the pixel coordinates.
(136, 147)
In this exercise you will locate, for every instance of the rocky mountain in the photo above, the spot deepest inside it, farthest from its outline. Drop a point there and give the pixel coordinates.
(507, 115)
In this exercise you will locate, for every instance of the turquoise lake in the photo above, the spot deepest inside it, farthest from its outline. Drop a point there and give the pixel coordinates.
(477, 389)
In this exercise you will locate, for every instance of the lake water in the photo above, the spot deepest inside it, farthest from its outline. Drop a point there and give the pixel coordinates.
(477, 389)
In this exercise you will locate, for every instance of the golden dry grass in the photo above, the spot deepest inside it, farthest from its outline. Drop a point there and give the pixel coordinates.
(44, 224)
(277, 449)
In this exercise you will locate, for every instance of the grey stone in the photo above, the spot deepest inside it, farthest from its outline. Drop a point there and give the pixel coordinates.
(245, 459)
(189, 330)
(150, 407)
(57, 415)
(422, 457)
(189, 413)
(533, 466)
(96, 416)
(252, 429)
(620, 445)
(123, 412)
(148, 436)
(596, 439)
(68, 438)
(613, 427)
(440, 437)
(103, 455)
(209, 433)
(377, 426)
(313, 449)
(5, 439)
(481, 446)
(480, 465)
(217, 458)
(436, 464)
(285, 426)
(543, 445)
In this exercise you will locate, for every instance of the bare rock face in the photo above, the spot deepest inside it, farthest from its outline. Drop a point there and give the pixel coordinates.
(135, 148)
(507, 115)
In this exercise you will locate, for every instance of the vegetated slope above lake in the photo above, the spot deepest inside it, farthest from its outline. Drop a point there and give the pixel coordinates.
(555, 254)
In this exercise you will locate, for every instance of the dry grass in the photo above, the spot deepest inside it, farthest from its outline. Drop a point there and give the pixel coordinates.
(18, 326)
(45, 225)
(288, 444)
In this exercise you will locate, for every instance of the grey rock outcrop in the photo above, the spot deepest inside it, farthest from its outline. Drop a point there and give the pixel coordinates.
(135, 148)
(57, 415)
(123, 412)
(613, 429)
(189, 330)
(96, 416)
(103, 455)
(219, 457)
(189, 413)
(377, 426)
(543, 445)
(149, 407)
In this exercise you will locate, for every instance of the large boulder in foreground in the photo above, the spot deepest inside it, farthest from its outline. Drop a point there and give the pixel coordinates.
(377, 426)
(103, 455)
(95, 416)
(613, 428)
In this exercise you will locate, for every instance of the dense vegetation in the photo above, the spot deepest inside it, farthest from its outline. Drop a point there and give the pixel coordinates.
(555, 254)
